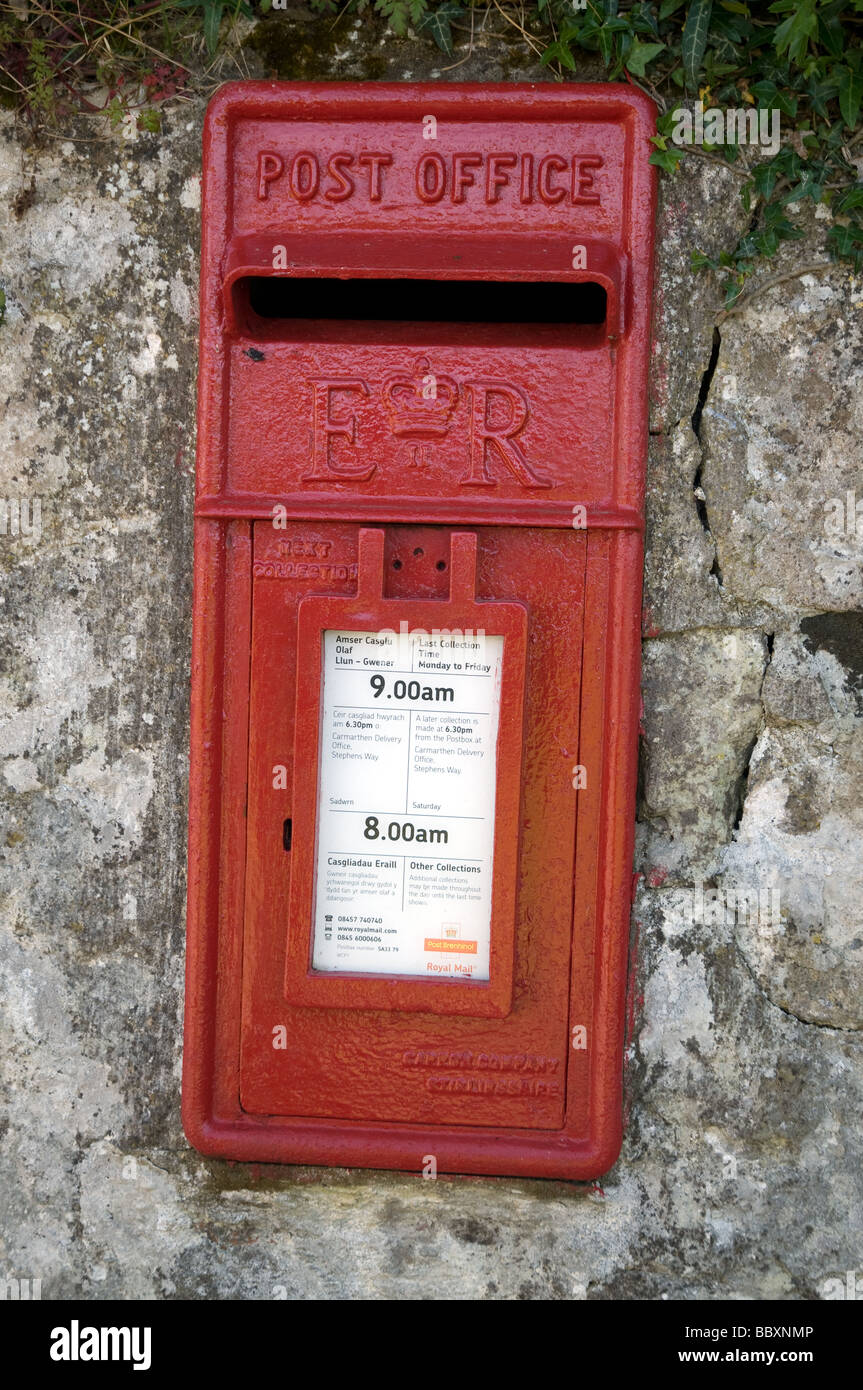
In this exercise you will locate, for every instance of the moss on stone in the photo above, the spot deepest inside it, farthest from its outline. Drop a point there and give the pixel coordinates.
(304, 50)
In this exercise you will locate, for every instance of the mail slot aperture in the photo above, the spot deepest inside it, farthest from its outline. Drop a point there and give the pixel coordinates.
(426, 301)
(422, 427)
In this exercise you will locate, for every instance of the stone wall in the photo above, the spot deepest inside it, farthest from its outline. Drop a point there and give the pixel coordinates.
(741, 1170)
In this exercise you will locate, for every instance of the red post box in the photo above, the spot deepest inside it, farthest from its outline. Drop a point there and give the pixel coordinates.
(418, 548)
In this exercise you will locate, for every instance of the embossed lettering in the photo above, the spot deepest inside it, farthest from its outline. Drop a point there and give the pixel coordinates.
(489, 440)
(376, 163)
(308, 549)
(344, 187)
(526, 193)
(481, 1061)
(582, 178)
(462, 174)
(305, 176)
(420, 410)
(270, 166)
(497, 176)
(326, 426)
(547, 192)
(431, 178)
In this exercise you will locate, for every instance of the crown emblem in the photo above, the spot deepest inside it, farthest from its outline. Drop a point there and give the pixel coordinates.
(420, 406)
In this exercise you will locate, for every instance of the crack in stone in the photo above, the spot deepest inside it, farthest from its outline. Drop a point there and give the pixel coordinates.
(789, 1013)
(698, 493)
(706, 383)
(743, 780)
(742, 787)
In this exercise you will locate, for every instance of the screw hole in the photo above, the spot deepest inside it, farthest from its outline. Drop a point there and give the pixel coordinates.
(419, 550)
(441, 564)
(397, 564)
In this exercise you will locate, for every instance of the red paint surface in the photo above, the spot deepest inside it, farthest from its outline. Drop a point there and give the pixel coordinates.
(325, 419)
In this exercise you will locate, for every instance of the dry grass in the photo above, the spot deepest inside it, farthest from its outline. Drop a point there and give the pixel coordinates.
(121, 57)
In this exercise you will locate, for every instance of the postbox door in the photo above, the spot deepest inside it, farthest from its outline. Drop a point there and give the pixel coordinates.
(396, 1063)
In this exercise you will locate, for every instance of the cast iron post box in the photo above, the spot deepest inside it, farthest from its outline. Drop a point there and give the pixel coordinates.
(418, 536)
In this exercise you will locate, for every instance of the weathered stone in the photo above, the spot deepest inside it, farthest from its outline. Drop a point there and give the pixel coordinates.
(836, 642)
(680, 589)
(802, 826)
(702, 710)
(800, 688)
(741, 1170)
(801, 832)
(746, 1109)
(699, 209)
(783, 434)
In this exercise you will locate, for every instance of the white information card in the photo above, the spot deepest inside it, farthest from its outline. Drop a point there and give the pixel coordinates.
(405, 834)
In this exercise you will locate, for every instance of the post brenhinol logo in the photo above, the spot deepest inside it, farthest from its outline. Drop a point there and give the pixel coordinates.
(77, 1343)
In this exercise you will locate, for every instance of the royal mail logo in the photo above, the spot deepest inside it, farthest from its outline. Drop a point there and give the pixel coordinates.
(420, 408)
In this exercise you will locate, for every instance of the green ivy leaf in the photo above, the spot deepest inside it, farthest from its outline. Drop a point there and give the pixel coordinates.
(831, 34)
(437, 23)
(558, 53)
(606, 45)
(666, 121)
(850, 95)
(846, 243)
(667, 159)
(640, 55)
(850, 200)
(644, 20)
(792, 36)
(769, 94)
(733, 290)
(694, 41)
